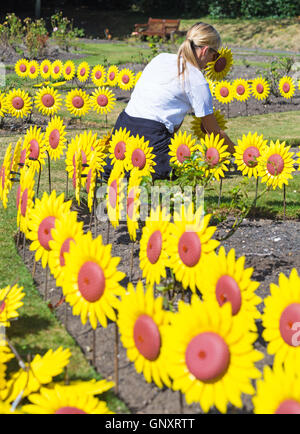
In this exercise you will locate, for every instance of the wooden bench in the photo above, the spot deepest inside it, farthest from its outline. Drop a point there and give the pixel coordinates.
(158, 27)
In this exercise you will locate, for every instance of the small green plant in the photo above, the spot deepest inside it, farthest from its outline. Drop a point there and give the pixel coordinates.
(63, 32)
(279, 67)
(11, 31)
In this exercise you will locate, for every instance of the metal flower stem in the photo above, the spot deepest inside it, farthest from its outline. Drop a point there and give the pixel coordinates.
(116, 358)
(256, 191)
(131, 261)
(39, 178)
(46, 283)
(49, 172)
(284, 201)
(105, 120)
(24, 242)
(246, 107)
(220, 191)
(67, 186)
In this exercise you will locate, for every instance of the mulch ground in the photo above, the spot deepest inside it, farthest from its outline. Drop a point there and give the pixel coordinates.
(270, 247)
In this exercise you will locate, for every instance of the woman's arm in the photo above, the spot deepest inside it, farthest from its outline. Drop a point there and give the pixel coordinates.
(211, 125)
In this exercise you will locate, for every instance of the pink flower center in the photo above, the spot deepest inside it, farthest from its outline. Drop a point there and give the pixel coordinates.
(275, 164)
(23, 67)
(17, 102)
(44, 231)
(119, 151)
(32, 69)
(250, 156)
(102, 100)
(289, 406)
(24, 201)
(65, 248)
(23, 156)
(34, 149)
(69, 410)
(147, 337)
(98, 75)
(112, 76)
(91, 281)
(212, 157)
(88, 181)
(130, 203)
(2, 306)
(183, 152)
(48, 100)
(289, 316)
(112, 193)
(207, 356)
(125, 78)
(240, 89)
(82, 72)
(138, 158)
(259, 88)
(78, 102)
(68, 70)
(54, 137)
(154, 247)
(56, 69)
(228, 290)
(189, 248)
(286, 87)
(46, 68)
(224, 92)
(3, 177)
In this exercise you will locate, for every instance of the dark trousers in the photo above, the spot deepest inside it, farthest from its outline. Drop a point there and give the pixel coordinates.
(159, 139)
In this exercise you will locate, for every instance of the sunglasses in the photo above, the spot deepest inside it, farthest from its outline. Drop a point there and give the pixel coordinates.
(216, 54)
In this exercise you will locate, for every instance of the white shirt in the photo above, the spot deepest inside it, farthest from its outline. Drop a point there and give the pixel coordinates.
(159, 94)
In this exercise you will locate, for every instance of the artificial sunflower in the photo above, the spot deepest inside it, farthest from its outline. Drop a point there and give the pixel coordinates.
(276, 164)
(115, 195)
(224, 92)
(215, 155)
(14, 166)
(77, 174)
(10, 302)
(190, 241)
(281, 318)
(34, 142)
(83, 71)
(91, 280)
(137, 77)
(56, 69)
(112, 76)
(3, 104)
(139, 156)
(260, 88)
(153, 246)
(119, 144)
(286, 87)
(69, 70)
(133, 203)
(181, 147)
(126, 79)
(19, 103)
(66, 230)
(55, 138)
(98, 75)
(218, 69)
(249, 148)
(42, 220)
(39, 371)
(91, 180)
(77, 102)
(48, 101)
(241, 89)
(278, 392)
(142, 323)
(64, 400)
(21, 68)
(5, 182)
(103, 100)
(33, 69)
(225, 279)
(25, 195)
(90, 143)
(197, 127)
(210, 355)
(45, 69)
(105, 141)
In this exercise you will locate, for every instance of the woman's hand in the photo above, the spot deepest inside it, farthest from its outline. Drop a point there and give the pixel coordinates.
(210, 125)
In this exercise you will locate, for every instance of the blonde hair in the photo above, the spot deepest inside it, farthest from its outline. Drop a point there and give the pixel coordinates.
(199, 35)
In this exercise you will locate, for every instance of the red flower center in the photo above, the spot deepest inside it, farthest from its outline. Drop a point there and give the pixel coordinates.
(189, 248)
(289, 316)
(147, 337)
(250, 156)
(48, 100)
(286, 87)
(34, 149)
(275, 164)
(24, 201)
(56, 69)
(125, 78)
(154, 247)
(138, 158)
(65, 248)
(112, 76)
(17, 102)
(78, 101)
(2, 306)
(46, 68)
(88, 180)
(98, 75)
(220, 64)
(23, 156)
(69, 410)
(119, 151)
(112, 193)
(102, 100)
(54, 137)
(32, 69)
(228, 290)
(23, 67)
(82, 72)
(91, 281)
(68, 70)
(44, 231)
(289, 406)
(240, 89)
(18, 195)
(3, 177)
(212, 157)
(224, 92)
(259, 88)
(183, 152)
(207, 356)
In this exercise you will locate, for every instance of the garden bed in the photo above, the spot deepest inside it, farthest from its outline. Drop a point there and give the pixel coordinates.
(270, 247)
